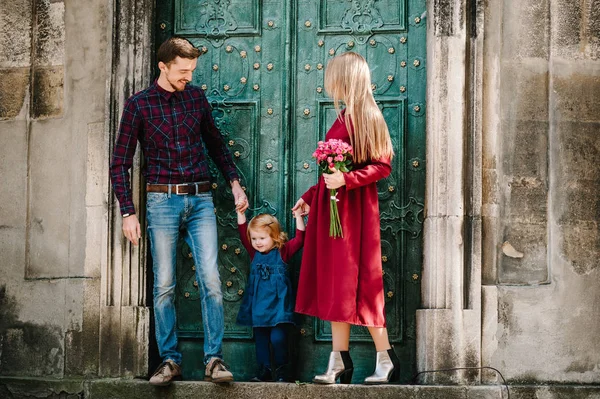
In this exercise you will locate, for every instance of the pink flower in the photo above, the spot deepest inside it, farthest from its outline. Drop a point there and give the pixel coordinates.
(327, 154)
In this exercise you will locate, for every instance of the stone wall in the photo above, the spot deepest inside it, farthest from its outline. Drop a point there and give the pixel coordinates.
(53, 78)
(541, 182)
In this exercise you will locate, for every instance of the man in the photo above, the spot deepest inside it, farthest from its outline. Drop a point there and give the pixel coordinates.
(172, 122)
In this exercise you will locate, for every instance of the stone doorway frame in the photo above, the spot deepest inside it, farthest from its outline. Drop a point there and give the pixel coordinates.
(125, 318)
(449, 325)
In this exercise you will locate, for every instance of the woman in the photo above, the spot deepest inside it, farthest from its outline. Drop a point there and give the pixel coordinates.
(350, 291)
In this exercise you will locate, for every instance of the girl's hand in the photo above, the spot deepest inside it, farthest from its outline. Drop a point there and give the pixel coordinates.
(334, 180)
(302, 206)
(297, 212)
(241, 216)
(300, 225)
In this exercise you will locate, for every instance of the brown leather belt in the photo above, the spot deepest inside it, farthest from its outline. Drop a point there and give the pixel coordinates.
(179, 189)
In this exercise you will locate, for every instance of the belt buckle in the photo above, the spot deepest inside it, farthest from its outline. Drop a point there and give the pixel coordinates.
(185, 185)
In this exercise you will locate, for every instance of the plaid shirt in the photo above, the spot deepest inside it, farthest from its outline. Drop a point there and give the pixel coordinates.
(176, 131)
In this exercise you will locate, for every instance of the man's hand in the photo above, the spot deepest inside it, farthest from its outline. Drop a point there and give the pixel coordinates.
(131, 229)
(302, 206)
(239, 196)
(334, 180)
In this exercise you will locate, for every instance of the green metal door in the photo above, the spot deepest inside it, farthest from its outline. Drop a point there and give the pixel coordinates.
(262, 68)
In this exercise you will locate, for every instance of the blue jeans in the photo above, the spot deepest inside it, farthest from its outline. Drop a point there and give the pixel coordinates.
(194, 217)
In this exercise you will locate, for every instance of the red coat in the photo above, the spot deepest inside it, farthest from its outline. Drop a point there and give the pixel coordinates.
(341, 279)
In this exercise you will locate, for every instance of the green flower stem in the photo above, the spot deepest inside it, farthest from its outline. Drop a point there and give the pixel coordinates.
(335, 226)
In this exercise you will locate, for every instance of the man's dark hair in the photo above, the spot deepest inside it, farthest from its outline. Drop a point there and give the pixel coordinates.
(176, 46)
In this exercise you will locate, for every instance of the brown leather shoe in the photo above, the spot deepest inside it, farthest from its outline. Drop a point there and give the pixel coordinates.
(216, 371)
(165, 373)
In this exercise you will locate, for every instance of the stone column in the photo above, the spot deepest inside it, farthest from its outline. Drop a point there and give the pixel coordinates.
(125, 319)
(448, 326)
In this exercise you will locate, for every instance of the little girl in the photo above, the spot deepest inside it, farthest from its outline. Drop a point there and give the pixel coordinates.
(268, 303)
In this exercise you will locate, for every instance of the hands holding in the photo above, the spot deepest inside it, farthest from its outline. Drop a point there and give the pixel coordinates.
(301, 207)
(239, 196)
(299, 215)
(334, 180)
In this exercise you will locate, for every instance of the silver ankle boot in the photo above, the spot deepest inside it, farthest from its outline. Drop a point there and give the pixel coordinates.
(387, 368)
(340, 366)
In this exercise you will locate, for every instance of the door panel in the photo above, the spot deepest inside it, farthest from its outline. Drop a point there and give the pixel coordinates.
(378, 31)
(262, 67)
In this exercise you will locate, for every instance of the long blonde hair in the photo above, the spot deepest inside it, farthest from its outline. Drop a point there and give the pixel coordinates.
(348, 80)
(271, 225)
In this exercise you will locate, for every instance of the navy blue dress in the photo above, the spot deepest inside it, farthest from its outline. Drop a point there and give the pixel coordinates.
(268, 299)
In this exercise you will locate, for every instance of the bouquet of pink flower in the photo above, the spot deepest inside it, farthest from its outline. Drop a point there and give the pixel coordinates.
(334, 154)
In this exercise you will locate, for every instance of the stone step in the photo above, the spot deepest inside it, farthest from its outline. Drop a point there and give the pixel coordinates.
(141, 389)
(21, 388)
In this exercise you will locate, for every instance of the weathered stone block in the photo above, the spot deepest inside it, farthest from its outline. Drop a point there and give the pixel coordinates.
(15, 34)
(435, 393)
(447, 338)
(49, 200)
(581, 246)
(97, 153)
(489, 250)
(578, 152)
(8, 310)
(525, 149)
(490, 189)
(576, 94)
(535, 326)
(444, 21)
(527, 200)
(13, 90)
(89, 340)
(532, 241)
(12, 245)
(48, 92)
(74, 313)
(567, 26)
(40, 388)
(31, 350)
(524, 93)
(489, 329)
(528, 393)
(13, 169)
(576, 30)
(48, 244)
(554, 392)
(486, 392)
(575, 204)
(96, 222)
(526, 29)
(50, 33)
(579, 200)
(594, 19)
